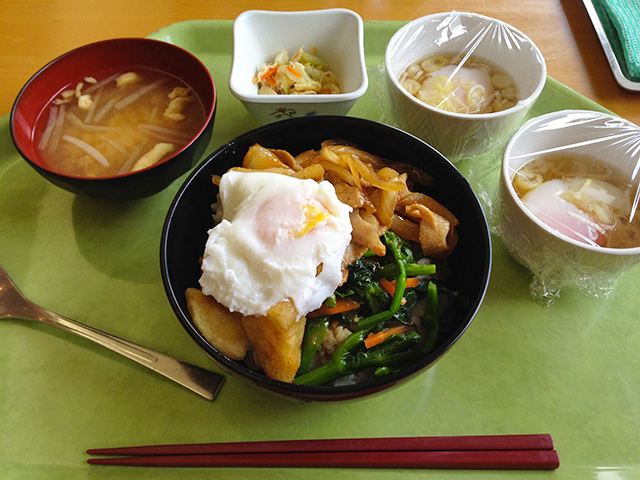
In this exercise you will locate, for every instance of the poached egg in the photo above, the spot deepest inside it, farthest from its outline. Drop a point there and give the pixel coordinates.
(279, 238)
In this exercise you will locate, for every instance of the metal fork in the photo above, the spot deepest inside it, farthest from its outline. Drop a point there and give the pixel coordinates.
(15, 305)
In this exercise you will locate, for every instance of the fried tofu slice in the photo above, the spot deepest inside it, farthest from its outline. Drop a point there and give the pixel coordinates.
(153, 156)
(261, 158)
(277, 340)
(222, 328)
(175, 108)
(128, 78)
(179, 97)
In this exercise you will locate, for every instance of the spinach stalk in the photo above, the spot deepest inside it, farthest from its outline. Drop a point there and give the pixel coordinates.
(430, 317)
(412, 269)
(313, 336)
(394, 244)
(337, 366)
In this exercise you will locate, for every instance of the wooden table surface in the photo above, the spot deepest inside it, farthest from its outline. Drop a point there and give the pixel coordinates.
(34, 32)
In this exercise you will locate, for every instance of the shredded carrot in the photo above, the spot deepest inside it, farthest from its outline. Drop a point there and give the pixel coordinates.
(269, 73)
(389, 286)
(377, 338)
(294, 71)
(342, 305)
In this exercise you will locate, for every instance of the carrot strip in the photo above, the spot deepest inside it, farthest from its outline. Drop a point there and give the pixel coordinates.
(269, 73)
(342, 305)
(294, 71)
(389, 286)
(377, 338)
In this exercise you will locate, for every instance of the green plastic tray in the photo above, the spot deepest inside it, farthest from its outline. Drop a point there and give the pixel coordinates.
(570, 370)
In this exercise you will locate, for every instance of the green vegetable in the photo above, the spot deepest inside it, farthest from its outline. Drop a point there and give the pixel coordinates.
(377, 312)
(351, 357)
(330, 302)
(393, 351)
(314, 60)
(363, 287)
(337, 366)
(412, 269)
(313, 336)
(394, 244)
(430, 317)
(383, 371)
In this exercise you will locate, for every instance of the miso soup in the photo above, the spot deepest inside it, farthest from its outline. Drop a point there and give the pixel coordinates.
(115, 125)
(446, 82)
(582, 198)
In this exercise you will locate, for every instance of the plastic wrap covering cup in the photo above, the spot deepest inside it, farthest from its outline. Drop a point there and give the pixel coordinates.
(470, 37)
(558, 256)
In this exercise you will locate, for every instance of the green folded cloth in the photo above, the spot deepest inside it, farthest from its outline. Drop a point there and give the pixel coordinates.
(624, 16)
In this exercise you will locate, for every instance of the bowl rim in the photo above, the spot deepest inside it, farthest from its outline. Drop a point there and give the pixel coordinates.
(302, 99)
(118, 40)
(306, 391)
(506, 176)
(521, 105)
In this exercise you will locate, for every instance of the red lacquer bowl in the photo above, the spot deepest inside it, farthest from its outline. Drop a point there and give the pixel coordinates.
(102, 58)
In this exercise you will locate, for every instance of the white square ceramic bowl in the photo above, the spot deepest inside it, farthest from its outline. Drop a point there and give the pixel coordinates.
(557, 260)
(459, 136)
(258, 35)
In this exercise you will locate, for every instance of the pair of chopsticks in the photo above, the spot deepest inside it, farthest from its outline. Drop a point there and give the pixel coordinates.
(497, 452)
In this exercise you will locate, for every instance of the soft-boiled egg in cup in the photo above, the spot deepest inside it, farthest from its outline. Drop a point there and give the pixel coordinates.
(462, 82)
(569, 200)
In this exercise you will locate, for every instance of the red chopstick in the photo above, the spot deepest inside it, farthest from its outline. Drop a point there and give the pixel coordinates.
(470, 459)
(462, 452)
(454, 443)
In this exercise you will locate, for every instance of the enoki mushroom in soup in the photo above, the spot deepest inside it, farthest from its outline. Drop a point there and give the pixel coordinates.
(118, 124)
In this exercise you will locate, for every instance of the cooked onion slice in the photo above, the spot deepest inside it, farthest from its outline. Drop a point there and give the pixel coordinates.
(91, 151)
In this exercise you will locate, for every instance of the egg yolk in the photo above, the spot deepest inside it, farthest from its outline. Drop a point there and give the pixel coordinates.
(315, 214)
